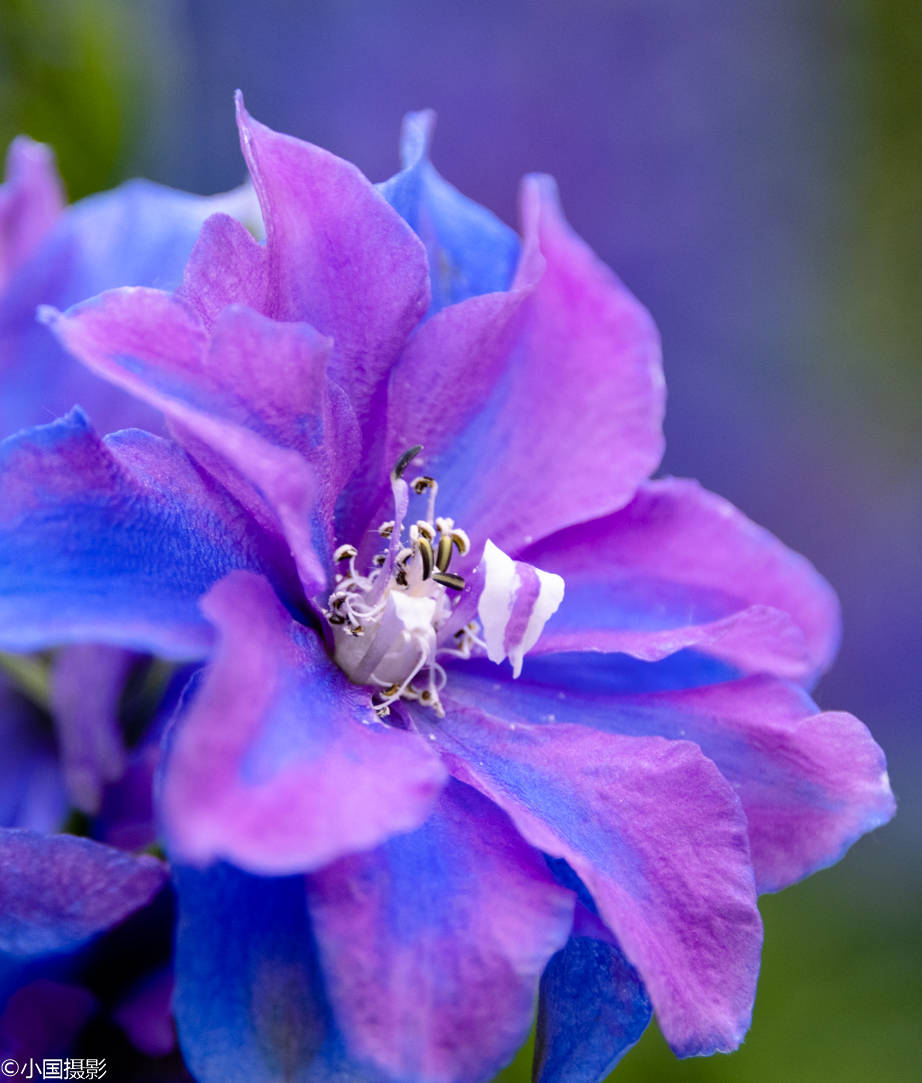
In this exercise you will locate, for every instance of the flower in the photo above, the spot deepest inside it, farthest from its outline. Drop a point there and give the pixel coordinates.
(382, 840)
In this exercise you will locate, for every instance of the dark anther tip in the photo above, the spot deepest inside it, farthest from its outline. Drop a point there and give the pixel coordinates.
(404, 461)
(449, 579)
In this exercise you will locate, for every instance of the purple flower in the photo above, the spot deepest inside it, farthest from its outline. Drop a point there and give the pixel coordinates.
(384, 841)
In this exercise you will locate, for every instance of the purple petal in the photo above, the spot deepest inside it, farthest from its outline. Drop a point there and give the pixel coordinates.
(31, 199)
(139, 234)
(58, 891)
(512, 394)
(470, 250)
(280, 764)
(274, 434)
(681, 567)
(456, 920)
(145, 1014)
(86, 686)
(809, 783)
(592, 1009)
(43, 1019)
(658, 838)
(32, 793)
(114, 541)
(339, 257)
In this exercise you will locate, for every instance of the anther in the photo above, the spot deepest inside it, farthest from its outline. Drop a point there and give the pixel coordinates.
(336, 618)
(449, 579)
(421, 484)
(404, 461)
(461, 540)
(378, 560)
(425, 554)
(443, 553)
(386, 528)
(345, 552)
(444, 525)
(424, 528)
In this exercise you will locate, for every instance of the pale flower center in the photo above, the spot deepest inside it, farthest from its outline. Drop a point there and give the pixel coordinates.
(392, 623)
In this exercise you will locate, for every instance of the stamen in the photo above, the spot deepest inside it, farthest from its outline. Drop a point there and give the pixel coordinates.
(443, 554)
(404, 461)
(345, 552)
(425, 554)
(449, 579)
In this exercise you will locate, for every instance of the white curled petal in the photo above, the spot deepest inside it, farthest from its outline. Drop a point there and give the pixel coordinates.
(516, 602)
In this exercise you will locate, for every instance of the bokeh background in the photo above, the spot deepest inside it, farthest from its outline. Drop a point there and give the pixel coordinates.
(754, 173)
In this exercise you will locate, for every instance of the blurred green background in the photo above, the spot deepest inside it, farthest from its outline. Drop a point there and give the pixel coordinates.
(754, 172)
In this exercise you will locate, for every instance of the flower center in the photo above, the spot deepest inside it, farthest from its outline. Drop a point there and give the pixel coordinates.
(392, 623)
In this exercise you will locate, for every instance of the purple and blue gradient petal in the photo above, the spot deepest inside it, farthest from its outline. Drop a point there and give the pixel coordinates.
(59, 891)
(810, 783)
(568, 349)
(280, 763)
(681, 567)
(249, 999)
(279, 437)
(31, 200)
(139, 234)
(114, 540)
(657, 836)
(339, 258)
(432, 945)
(470, 250)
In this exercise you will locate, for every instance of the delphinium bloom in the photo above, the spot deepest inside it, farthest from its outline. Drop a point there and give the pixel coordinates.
(405, 449)
(63, 735)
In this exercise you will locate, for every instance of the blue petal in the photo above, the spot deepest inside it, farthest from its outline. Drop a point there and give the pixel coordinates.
(470, 250)
(32, 791)
(112, 541)
(249, 999)
(592, 1009)
(140, 234)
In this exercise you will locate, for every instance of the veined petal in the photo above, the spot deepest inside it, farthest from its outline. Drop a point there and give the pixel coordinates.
(31, 198)
(514, 605)
(338, 257)
(657, 836)
(810, 783)
(280, 763)
(58, 891)
(113, 541)
(681, 567)
(456, 920)
(593, 1008)
(513, 394)
(470, 250)
(249, 1000)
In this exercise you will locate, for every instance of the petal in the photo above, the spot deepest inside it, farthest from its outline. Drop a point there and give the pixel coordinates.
(139, 234)
(658, 838)
(58, 891)
(32, 793)
(249, 999)
(43, 1019)
(280, 763)
(810, 783)
(113, 541)
(338, 256)
(470, 250)
(514, 605)
(144, 1014)
(456, 920)
(274, 434)
(513, 394)
(86, 686)
(680, 567)
(593, 1008)
(31, 198)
